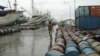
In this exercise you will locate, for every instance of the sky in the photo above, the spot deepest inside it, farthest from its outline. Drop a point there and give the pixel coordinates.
(59, 9)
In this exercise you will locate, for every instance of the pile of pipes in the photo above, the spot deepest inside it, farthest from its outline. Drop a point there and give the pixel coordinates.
(71, 44)
(58, 49)
(5, 31)
(29, 27)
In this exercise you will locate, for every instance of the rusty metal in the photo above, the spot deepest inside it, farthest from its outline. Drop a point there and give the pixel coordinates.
(58, 48)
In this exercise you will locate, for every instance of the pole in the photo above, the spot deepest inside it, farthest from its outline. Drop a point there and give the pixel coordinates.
(32, 7)
(69, 14)
(74, 13)
(9, 4)
(70, 11)
(74, 6)
(15, 5)
(26, 11)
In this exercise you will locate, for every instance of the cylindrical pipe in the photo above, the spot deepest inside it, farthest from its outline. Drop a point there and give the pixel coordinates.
(71, 51)
(58, 48)
(54, 53)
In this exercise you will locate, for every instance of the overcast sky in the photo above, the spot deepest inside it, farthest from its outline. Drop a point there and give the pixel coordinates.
(59, 9)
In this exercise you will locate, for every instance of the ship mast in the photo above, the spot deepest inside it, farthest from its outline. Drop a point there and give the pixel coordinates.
(9, 4)
(32, 8)
(15, 5)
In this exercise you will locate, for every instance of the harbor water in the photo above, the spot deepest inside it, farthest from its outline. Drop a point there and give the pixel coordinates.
(25, 43)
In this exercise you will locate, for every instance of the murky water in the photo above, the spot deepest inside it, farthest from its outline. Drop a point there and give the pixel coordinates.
(25, 43)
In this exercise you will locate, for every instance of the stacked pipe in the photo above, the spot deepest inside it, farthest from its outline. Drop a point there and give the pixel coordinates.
(5, 31)
(58, 48)
(29, 27)
(95, 44)
(84, 46)
(71, 47)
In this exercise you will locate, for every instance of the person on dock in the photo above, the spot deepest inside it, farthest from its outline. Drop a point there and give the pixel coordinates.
(55, 32)
(50, 29)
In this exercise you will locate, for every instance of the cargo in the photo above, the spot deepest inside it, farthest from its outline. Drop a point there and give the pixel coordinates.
(88, 51)
(87, 17)
(71, 51)
(82, 45)
(85, 48)
(94, 10)
(54, 53)
(77, 13)
(93, 55)
(81, 9)
(88, 23)
(96, 46)
(71, 43)
(61, 44)
(82, 55)
(71, 48)
(90, 40)
(58, 48)
(78, 40)
(86, 11)
(60, 41)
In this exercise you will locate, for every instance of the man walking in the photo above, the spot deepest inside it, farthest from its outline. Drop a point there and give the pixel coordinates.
(50, 29)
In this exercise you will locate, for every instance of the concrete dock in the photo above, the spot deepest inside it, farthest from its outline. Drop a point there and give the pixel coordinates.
(25, 43)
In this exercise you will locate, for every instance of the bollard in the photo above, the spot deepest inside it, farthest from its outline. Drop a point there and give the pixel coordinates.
(54, 53)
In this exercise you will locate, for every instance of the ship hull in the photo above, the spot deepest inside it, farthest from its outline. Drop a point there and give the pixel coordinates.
(9, 18)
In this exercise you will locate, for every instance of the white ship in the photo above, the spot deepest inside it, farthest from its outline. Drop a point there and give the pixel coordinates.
(8, 17)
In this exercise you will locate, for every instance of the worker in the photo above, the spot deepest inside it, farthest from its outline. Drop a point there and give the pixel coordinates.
(55, 28)
(50, 29)
(55, 31)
